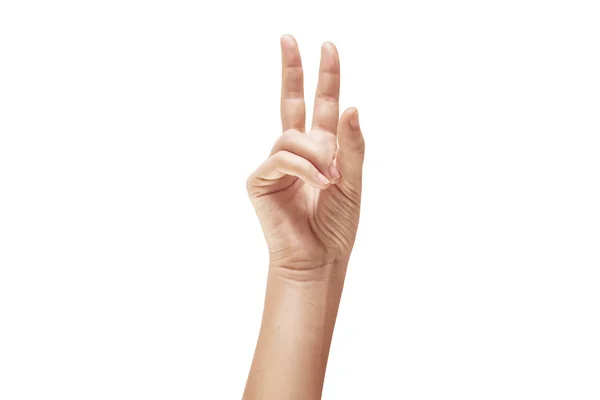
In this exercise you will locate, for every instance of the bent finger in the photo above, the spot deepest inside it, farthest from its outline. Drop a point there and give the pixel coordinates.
(285, 163)
(319, 154)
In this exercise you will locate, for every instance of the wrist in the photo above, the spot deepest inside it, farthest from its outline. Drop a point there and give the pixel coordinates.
(333, 271)
(303, 304)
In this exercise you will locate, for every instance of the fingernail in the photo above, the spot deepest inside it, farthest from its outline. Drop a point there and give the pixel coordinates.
(322, 179)
(334, 172)
(354, 121)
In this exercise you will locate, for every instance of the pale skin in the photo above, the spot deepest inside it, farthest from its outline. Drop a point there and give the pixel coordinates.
(307, 197)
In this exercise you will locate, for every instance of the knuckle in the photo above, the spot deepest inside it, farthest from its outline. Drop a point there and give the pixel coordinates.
(290, 135)
(358, 145)
(360, 148)
(281, 155)
(281, 158)
(250, 185)
(285, 141)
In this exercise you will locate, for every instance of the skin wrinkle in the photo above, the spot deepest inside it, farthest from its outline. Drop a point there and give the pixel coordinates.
(331, 235)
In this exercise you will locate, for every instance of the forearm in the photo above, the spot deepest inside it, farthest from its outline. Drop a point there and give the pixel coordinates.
(295, 336)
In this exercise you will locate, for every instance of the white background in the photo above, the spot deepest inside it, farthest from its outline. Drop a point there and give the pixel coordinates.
(132, 265)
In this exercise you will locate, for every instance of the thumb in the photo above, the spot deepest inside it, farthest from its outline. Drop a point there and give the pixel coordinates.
(351, 151)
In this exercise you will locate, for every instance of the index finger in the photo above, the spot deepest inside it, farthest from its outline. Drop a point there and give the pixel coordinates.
(293, 113)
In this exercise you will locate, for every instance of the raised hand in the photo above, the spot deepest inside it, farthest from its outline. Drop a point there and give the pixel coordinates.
(307, 193)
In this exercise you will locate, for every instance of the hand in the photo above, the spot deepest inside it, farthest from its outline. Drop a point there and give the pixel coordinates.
(307, 193)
